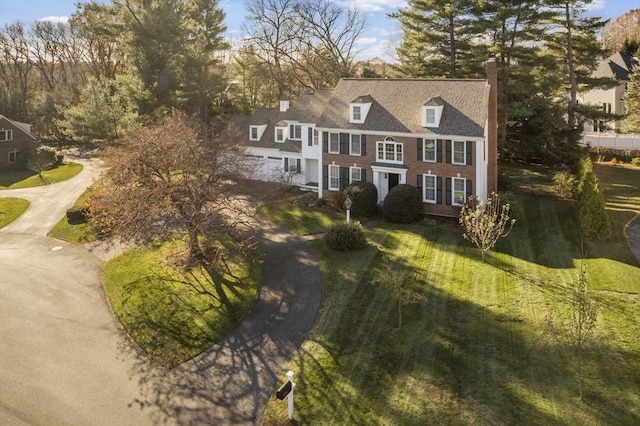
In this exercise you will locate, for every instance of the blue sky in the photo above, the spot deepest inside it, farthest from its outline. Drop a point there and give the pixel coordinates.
(379, 39)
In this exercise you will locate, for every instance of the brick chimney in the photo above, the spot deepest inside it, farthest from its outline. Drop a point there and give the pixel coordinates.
(492, 126)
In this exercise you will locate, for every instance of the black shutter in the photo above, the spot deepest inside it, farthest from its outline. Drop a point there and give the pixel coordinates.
(469, 188)
(344, 178)
(469, 152)
(439, 190)
(448, 192)
(325, 177)
(363, 145)
(298, 165)
(363, 175)
(448, 150)
(419, 182)
(325, 141)
(344, 143)
(439, 150)
(286, 164)
(420, 149)
(309, 136)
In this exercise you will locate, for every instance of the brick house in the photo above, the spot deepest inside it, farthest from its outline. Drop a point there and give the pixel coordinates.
(14, 137)
(439, 135)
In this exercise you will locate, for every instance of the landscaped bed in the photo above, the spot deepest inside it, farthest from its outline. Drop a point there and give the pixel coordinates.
(479, 351)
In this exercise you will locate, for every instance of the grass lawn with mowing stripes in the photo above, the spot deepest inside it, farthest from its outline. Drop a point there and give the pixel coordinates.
(28, 179)
(479, 350)
(11, 209)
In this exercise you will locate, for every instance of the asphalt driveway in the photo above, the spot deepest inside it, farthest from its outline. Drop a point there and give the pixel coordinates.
(64, 359)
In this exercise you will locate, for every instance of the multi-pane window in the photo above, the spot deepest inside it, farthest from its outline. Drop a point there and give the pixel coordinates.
(430, 116)
(295, 132)
(389, 151)
(429, 188)
(459, 155)
(459, 193)
(334, 177)
(355, 145)
(429, 150)
(12, 156)
(357, 113)
(292, 165)
(334, 143)
(6, 135)
(355, 174)
(315, 136)
(280, 134)
(253, 133)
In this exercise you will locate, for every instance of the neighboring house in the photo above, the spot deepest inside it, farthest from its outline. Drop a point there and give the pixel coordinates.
(436, 134)
(14, 137)
(618, 66)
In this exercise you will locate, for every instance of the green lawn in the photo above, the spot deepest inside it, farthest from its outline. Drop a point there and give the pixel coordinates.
(11, 209)
(28, 179)
(171, 314)
(75, 233)
(300, 220)
(478, 351)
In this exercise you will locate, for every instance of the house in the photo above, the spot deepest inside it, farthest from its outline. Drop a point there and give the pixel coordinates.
(14, 137)
(618, 66)
(437, 134)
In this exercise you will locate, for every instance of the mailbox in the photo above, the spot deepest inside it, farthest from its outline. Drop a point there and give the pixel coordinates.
(284, 390)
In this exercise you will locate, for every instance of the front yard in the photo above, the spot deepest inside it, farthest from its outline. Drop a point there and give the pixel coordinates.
(479, 350)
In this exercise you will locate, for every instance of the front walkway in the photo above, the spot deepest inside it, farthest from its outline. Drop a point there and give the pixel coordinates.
(632, 232)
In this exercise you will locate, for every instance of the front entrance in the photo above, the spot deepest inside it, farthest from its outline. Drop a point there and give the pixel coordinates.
(385, 180)
(394, 179)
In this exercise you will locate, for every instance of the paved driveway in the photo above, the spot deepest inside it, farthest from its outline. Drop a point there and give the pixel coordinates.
(64, 360)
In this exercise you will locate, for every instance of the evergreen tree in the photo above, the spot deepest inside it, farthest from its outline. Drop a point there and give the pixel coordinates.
(437, 39)
(632, 103)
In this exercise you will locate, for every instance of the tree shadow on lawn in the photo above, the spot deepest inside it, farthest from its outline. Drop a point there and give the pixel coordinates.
(230, 383)
(452, 362)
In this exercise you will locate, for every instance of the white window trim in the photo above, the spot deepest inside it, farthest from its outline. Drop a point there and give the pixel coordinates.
(329, 143)
(337, 169)
(15, 156)
(351, 145)
(316, 135)
(356, 118)
(364, 110)
(8, 135)
(424, 150)
(424, 188)
(284, 134)
(351, 170)
(464, 153)
(437, 112)
(292, 132)
(395, 150)
(453, 191)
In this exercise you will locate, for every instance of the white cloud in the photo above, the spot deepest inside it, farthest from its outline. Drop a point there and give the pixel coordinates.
(366, 40)
(372, 5)
(55, 19)
(596, 5)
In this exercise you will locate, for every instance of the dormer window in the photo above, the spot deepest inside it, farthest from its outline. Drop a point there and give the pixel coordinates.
(255, 132)
(359, 108)
(432, 112)
(295, 132)
(280, 135)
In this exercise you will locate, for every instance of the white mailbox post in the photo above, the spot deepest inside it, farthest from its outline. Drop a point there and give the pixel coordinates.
(286, 391)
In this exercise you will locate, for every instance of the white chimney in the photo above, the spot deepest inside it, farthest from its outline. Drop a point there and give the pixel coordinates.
(284, 105)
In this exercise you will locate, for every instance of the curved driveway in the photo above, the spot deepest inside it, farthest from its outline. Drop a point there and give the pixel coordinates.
(64, 360)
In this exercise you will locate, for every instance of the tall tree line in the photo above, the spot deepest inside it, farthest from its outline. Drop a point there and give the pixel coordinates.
(546, 51)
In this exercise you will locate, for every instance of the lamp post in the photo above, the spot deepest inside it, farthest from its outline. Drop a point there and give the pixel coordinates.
(347, 205)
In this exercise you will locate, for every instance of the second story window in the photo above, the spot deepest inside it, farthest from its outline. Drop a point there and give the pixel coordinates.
(295, 132)
(459, 154)
(280, 131)
(334, 143)
(355, 145)
(429, 150)
(389, 151)
(315, 136)
(6, 135)
(253, 133)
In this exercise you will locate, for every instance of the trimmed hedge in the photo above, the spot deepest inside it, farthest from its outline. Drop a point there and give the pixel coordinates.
(594, 219)
(402, 204)
(364, 199)
(343, 236)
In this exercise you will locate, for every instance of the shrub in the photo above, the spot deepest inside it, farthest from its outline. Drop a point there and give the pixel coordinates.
(635, 161)
(402, 204)
(342, 236)
(515, 208)
(364, 198)
(337, 198)
(564, 183)
(594, 219)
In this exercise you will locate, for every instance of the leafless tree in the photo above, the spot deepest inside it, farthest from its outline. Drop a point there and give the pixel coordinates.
(625, 28)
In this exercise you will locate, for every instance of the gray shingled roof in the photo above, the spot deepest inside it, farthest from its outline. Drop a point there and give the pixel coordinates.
(397, 105)
(309, 106)
(262, 116)
(618, 66)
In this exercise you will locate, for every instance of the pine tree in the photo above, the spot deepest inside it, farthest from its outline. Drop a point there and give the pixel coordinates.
(632, 103)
